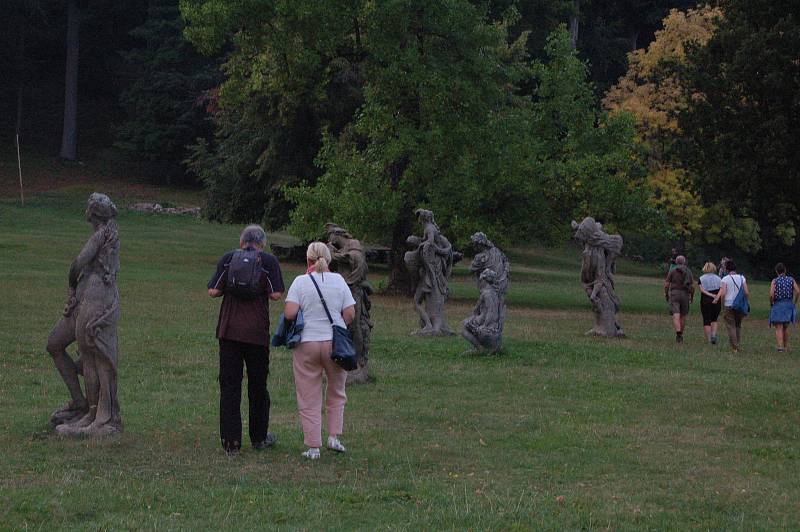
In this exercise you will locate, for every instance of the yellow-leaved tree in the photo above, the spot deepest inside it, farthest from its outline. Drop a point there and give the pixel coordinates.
(653, 95)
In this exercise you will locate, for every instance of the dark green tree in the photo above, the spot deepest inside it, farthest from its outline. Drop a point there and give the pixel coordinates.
(741, 127)
(167, 92)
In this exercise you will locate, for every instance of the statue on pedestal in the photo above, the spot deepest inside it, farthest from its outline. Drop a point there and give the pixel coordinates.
(90, 319)
(598, 264)
(350, 261)
(431, 264)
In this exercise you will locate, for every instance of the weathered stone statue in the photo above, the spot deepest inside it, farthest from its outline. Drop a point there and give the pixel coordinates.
(349, 260)
(600, 252)
(430, 263)
(484, 329)
(491, 258)
(90, 318)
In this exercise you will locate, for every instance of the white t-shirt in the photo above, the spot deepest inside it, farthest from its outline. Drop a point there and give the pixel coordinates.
(731, 281)
(337, 295)
(710, 281)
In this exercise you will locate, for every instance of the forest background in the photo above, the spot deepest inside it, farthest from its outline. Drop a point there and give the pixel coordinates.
(673, 123)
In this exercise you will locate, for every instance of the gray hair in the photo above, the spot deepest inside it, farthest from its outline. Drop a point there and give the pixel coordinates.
(254, 235)
(680, 259)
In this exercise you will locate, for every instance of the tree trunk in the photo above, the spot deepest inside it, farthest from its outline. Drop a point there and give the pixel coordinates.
(634, 40)
(573, 23)
(399, 278)
(20, 82)
(69, 136)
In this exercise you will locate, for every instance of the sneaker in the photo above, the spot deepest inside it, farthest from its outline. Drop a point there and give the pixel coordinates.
(713, 340)
(312, 453)
(269, 441)
(781, 350)
(335, 445)
(679, 337)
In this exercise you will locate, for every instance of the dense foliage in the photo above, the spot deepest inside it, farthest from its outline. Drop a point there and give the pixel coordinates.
(445, 111)
(163, 101)
(741, 135)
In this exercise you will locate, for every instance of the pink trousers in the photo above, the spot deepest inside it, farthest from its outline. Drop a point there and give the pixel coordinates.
(309, 361)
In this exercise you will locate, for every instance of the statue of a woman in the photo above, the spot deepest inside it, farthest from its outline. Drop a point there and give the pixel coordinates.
(90, 318)
(598, 264)
(432, 260)
(350, 261)
(484, 329)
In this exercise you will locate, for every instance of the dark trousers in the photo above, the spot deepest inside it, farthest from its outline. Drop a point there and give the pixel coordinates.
(232, 358)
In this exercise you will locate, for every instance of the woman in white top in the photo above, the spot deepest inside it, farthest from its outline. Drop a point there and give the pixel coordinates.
(312, 356)
(729, 288)
(709, 287)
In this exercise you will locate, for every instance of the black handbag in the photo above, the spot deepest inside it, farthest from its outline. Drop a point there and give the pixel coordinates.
(343, 351)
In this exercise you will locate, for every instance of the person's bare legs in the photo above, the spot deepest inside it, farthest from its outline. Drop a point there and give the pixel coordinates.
(713, 329)
(786, 337)
(779, 336)
(707, 332)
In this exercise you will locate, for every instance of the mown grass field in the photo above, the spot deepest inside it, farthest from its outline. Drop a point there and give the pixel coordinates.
(560, 432)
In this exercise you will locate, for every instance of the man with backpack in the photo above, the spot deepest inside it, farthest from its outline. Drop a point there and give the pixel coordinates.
(246, 279)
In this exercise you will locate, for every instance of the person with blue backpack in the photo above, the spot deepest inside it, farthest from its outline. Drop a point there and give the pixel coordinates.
(735, 296)
(246, 279)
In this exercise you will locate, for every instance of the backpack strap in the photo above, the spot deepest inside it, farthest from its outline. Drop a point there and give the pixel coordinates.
(324, 305)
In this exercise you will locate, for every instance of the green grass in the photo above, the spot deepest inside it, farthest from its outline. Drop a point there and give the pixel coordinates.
(560, 432)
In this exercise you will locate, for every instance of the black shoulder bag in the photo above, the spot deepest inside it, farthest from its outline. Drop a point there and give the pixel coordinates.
(343, 352)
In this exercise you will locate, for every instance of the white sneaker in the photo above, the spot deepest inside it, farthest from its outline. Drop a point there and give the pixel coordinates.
(335, 445)
(312, 453)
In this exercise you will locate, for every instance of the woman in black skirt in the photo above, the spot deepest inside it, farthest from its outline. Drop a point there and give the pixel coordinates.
(709, 286)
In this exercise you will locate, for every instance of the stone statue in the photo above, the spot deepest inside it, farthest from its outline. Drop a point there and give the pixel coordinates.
(600, 253)
(489, 257)
(350, 261)
(484, 329)
(90, 318)
(430, 263)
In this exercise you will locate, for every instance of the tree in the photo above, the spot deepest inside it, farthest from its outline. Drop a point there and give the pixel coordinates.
(167, 90)
(69, 134)
(652, 93)
(442, 128)
(740, 130)
(293, 69)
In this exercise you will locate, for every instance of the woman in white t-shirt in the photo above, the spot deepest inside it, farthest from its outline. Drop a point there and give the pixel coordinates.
(312, 356)
(730, 285)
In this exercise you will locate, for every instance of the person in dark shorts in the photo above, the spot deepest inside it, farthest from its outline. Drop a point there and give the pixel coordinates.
(679, 293)
(243, 333)
(783, 295)
(709, 284)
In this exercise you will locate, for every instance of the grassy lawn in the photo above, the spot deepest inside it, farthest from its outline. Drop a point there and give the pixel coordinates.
(560, 432)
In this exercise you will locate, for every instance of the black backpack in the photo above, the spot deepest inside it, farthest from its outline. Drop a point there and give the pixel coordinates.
(244, 274)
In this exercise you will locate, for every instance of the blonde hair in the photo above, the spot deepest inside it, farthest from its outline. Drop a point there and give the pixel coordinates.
(709, 267)
(320, 255)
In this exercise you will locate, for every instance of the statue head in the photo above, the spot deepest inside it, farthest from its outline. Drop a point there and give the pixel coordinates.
(424, 215)
(591, 233)
(336, 234)
(413, 241)
(488, 277)
(100, 208)
(585, 230)
(481, 241)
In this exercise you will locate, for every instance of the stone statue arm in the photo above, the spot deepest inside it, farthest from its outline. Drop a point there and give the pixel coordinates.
(85, 257)
(601, 277)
